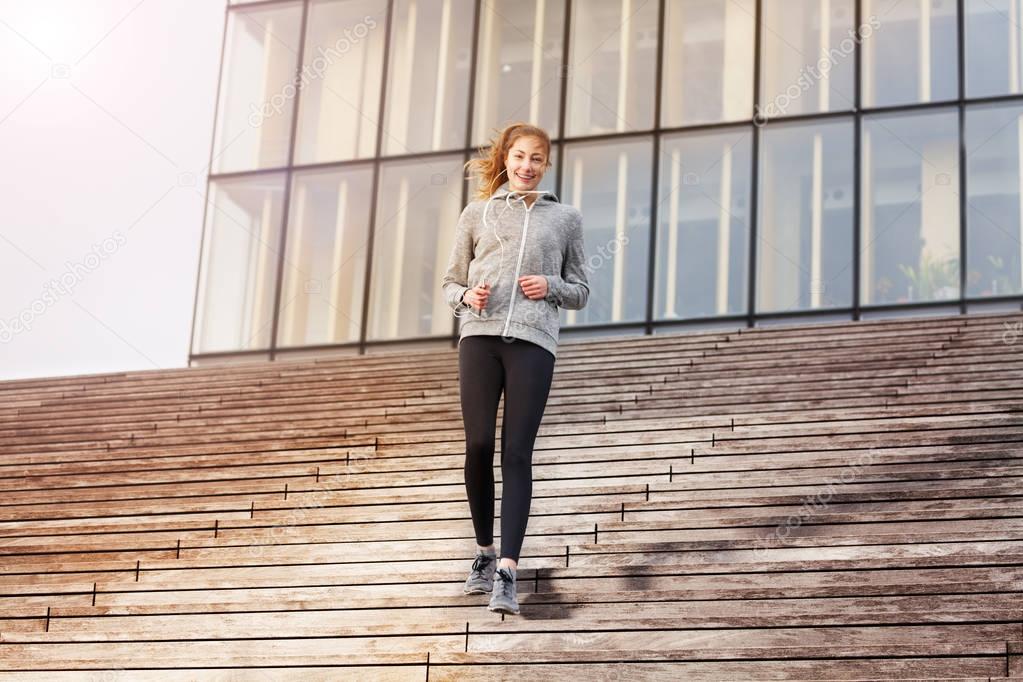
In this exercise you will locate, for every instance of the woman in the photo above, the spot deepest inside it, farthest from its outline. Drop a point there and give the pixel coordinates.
(511, 298)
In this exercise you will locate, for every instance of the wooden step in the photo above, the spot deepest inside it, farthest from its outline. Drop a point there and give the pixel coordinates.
(833, 501)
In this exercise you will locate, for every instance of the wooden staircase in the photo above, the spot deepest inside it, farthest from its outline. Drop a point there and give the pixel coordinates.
(841, 501)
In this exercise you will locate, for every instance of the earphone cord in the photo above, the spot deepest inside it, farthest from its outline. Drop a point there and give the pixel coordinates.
(469, 310)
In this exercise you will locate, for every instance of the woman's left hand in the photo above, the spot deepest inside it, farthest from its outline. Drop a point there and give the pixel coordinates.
(533, 286)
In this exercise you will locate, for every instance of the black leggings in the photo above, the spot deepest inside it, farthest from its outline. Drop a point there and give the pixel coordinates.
(486, 365)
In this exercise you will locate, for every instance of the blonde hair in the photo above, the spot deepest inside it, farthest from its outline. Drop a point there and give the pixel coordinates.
(489, 166)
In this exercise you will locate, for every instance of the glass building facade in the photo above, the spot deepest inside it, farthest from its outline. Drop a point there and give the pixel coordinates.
(736, 162)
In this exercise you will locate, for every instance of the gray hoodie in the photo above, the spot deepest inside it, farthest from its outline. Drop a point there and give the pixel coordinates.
(544, 239)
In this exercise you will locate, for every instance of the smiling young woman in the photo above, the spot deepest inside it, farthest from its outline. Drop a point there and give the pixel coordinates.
(509, 341)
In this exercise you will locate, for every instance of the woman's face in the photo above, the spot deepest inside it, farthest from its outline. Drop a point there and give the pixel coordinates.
(526, 163)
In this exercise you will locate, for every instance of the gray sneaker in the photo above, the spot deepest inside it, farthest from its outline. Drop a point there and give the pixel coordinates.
(481, 579)
(504, 597)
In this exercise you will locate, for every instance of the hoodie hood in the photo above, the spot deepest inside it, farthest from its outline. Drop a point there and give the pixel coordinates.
(503, 193)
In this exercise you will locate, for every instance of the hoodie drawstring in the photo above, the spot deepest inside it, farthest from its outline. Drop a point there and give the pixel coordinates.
(486, 207)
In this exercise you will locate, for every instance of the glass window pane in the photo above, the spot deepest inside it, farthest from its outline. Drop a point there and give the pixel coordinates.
(910, 208)
(808, 57)
(704, 224)
(239, 264)
(611, 77)
(257, 90)
(428, 76)
(708, 61)
(325, 257)
(994, 47)
(994, 182)
(804, 229)
(342, 72)
(417, 210)
(520, 48)
(610, 185)
(911, 56)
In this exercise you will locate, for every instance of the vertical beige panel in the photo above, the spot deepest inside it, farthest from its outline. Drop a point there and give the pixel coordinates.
(577, 201)
(624, 55)
(939, 203)
(397, 248)
(621, 217)
(737, 91)
(724, 229)
(816, 220)
(823, 92)
(486, 103)
(671, 262)
(867, 219)
(537, 71)
(443, 48)
(342, 289)
(398, 119)
(295, 313)
(925, 50)
(868, 91)
(1019, 191)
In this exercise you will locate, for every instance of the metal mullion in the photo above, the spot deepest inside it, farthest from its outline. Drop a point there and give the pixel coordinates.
(282, 242)
(205, 203)
(655, 174)
(711, 127)
(857, 194)
(920, 306)
(414, 156)
(995, 99)
(259, 4)
(227, 353)
(1007, 298)
(669, 130)
(563, 95)
(467, 152)
(255, 172)
(909, 107)
(961, 65)
(377, 161)
(751, 267)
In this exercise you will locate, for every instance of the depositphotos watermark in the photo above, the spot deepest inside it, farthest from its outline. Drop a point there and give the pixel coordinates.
(811, 74)
(74, 273)
(815, 504)
(1012, 332)
(315, 69)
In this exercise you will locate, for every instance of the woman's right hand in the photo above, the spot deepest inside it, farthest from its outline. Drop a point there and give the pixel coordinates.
(477, 296)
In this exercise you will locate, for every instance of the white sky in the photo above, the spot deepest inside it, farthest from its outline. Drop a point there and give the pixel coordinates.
(106, 115)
